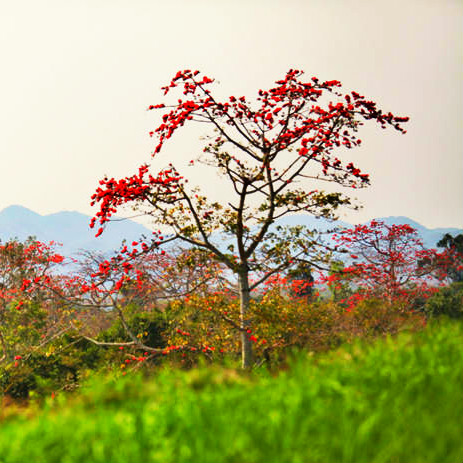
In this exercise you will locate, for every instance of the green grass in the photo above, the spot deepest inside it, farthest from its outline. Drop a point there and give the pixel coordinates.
(398, 400)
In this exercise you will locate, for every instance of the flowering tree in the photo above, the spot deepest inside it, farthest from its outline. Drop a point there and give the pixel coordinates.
(30, 313)
(145, 280)
(302, 281)
(386, 260)
(268, 152)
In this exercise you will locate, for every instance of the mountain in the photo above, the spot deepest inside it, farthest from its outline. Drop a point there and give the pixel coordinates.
(72, 229)
(429, 236)
(311, 222)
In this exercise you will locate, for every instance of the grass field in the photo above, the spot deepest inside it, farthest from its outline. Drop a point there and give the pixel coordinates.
(397, 400)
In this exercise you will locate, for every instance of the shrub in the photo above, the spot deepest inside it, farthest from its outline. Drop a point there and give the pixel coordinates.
(39, 375)
(447, 301)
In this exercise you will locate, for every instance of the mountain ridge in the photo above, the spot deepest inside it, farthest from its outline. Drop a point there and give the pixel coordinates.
(71, 228)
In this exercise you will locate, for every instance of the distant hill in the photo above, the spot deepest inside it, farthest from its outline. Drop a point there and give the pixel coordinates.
(429, 236)
(72, 229)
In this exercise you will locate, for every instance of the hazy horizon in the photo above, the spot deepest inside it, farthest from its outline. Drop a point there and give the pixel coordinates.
(128, 217)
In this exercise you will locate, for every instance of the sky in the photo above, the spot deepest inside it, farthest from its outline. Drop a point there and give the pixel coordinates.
(77, 77)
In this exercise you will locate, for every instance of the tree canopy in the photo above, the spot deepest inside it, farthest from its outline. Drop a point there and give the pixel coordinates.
(269, 150)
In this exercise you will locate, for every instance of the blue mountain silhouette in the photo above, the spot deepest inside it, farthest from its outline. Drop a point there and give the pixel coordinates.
(71, 229)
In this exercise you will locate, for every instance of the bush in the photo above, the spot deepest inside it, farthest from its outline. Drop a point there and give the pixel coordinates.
(147, 326)
(39, 375)
(281, 323)
(447, 301)
(375, 317)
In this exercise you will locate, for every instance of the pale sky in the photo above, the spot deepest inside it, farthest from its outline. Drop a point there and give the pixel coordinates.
(77, 76)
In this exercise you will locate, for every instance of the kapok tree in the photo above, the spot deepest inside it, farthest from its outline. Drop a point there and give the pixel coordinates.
(385, 261)
(268, 151)
(135, 280)
(30, 311)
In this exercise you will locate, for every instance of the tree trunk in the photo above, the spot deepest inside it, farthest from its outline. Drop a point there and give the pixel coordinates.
(4, 348)
(246, 344)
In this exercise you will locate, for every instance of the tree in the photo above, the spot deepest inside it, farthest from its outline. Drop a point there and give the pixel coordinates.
(145, 281)
(30, 313)
(338, 282)
(262, 150)
(302, 281)
(452, 257)
(447, 301)
(386, 260)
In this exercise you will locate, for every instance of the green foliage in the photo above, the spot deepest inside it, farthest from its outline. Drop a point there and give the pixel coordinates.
(39, 375)
(398, 400)
(59, 366)
(447, 301)
(23, 328)
(279, 323)
(448, 241)
(454, 245)
(339, 284)
(147, 326)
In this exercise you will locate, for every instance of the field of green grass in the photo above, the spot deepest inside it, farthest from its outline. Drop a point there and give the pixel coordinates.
(396, 400)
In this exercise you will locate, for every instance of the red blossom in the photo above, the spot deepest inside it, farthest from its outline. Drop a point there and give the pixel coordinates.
(386, 261)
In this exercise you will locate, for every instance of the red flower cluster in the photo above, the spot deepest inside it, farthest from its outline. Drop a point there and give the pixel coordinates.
(139, 187)
(287, 116)
(386, 261)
